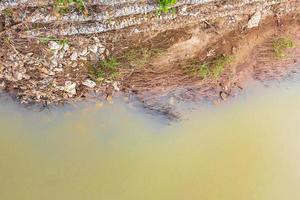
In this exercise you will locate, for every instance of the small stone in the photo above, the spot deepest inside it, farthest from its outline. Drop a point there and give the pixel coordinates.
(66, 47)
(255, 20)
(54, 63)
(93, 49)
(2, 84)
(58, 69)
(89, 83)
(70, 88)
(96, 39)
(61, 55)
(53, 45)
(44, 70)
(115, 85)
(101, 50)
(109, 99)
(74, 56)
(19, 76)
(223, 96)
(84, 52)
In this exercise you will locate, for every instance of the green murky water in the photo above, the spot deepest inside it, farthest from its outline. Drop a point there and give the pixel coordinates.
(248, 149)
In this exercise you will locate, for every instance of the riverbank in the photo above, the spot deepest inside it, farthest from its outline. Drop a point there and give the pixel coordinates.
(181, 56)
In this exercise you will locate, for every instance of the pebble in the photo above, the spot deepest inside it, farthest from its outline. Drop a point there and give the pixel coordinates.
(70, 88)
(19, 76)
(93, 49)
(255, 20)
(116, 88)
(89, 83)
(74, 56)
(53, 45)
(84, 52)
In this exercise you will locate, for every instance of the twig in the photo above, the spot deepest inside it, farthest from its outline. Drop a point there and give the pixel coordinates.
(215, 30)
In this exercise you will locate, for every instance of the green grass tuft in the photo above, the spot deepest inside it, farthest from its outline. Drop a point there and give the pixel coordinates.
(280, 45)
(165, 6)
(219, 64)
(108, 69)
(47, 39)
(63, 6)
(213, 69)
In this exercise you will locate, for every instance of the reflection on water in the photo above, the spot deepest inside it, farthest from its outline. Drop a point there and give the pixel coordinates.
(248, 149)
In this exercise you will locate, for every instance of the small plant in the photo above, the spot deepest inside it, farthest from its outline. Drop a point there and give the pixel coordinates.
(138, 58)
(219, 64)
(203, 71)
(107, 69)
(166, 5)
(281, 44)
(212, 69)
(8, 12)
(110, 64)
(63, 6)
(47, 39)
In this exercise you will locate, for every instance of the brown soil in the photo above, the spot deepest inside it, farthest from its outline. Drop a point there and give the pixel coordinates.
(165, 76)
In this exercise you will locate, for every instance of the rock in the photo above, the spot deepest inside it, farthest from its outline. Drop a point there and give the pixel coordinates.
(255, 20)
(58, 69)
(19, 76)
(96, 39)
(61, 54)
(93, 49)
(101, 50)
(74, 56)
(70, 88)
(84, 52)
(54, 63)
(89, 83)
(223, 96)
(44, 70)
(109, 99)
(66, 47)
(115, 85)
(53, 45)
(2, 84)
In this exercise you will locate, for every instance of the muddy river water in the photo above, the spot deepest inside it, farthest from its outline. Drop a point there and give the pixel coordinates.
(245, 149)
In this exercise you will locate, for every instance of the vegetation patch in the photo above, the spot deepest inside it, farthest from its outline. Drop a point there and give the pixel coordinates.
(63, 6)
(139, 58)
(280, 45)
(47, 39)
(213, 68)
(165, 6)
(218, 65)
(107, 69)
